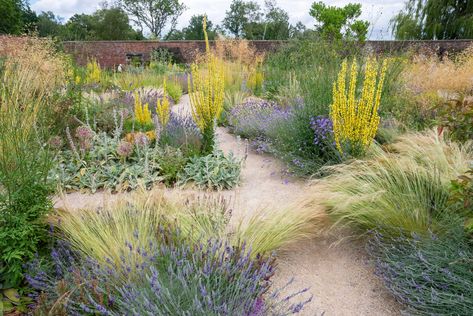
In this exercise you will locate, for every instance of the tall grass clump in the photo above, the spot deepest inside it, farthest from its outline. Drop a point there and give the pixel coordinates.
(30, 78)
(206, 91)
(406, 188)
(147, 253)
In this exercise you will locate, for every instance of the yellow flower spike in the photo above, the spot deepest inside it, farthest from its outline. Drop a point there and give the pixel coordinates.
(355, 121)
(163, 108)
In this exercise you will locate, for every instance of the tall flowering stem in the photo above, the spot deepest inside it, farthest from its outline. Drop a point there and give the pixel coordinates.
(162, 108)
(206, 91)
(142, 112)
(355, 120)
(94, 73)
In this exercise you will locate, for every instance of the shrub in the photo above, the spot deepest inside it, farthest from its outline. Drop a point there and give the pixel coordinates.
(214, 171)
(405, 189)
(174, 89)
(430, 274)
(182, 132)
(355, 121)
(207, 278)
(456, 115)
(255, 117)
(461, 197)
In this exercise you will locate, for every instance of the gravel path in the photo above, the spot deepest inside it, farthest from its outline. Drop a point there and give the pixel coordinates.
(338, 274)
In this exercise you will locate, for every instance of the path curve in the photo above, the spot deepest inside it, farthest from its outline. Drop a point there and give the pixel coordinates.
(340, 277)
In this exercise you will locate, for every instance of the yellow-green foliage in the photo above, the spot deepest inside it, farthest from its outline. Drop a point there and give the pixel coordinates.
(406, 188)
(162, 107)
(142, 112)
(134, 220)
(206, 89)
(355, 120)
(256, 77)
(93, 72)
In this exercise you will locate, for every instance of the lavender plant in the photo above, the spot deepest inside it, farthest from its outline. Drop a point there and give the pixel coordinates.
(431, 275)
(256, 118)
(175, 278)
(181, 132)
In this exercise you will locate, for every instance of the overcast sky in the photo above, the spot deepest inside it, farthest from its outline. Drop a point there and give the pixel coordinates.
(377, 12)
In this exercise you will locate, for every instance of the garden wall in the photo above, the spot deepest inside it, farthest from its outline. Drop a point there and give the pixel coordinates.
(112, 53)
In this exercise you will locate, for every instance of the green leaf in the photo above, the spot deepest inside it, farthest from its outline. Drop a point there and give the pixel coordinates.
(12, 295)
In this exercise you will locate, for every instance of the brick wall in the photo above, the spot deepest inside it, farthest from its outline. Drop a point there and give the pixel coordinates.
(112, 53)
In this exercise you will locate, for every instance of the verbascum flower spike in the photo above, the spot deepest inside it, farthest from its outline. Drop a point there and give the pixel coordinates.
(355, 121)
(162, 108)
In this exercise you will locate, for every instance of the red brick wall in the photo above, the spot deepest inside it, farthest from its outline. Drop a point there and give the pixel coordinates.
(112, 53)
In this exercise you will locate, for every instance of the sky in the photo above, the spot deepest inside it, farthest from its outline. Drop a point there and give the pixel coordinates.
(377, 12)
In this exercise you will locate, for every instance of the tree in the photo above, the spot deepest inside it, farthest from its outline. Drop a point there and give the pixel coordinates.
(434, 20)
(338, 23)
(49, 25)
(15, 16)
(242, 18)
(113, 24)
(194, 30)
(79, 28)
(154, 14)
(276, 22)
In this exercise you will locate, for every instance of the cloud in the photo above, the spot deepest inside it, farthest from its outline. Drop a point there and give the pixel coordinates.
(376, 12)
(66, 9)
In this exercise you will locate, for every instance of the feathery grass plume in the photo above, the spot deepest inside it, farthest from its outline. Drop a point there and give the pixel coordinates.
(131, 222)
(269, 230)
(33, 73)
(407, 188)
(206, 91)
(355, 121)
(93, 72)
(162, 108)
(142, 112)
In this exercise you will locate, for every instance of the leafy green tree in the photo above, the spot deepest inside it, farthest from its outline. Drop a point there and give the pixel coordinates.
(49, 24)
(79, 28)
(113, 24)
(194, 30)
(434, 20)
(243, 19)
(15, 16)
(339, 22)
(276, 22)
(155, 15)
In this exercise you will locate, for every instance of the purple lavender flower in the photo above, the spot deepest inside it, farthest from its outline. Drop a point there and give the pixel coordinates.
(323, 129)
(256, 118)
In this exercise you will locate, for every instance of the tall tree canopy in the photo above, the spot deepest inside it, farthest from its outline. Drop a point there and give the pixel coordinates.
(339, 22)
(155, 15)
(108, 23)
(241, 18)
(434, 19)
(15, 16)
(246, 19)
(194, 30)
